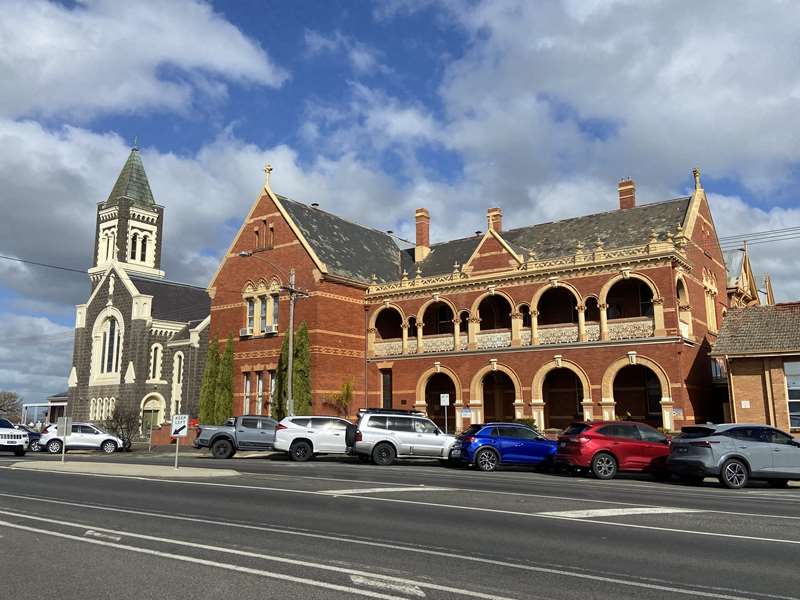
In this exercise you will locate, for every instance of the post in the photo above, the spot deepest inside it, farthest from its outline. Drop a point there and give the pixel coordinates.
(177, 447)
(289, 397)
(64, 448)
(445, 418)
(150, 439)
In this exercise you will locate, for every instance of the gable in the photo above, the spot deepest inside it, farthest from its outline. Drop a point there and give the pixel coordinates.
(492, 254)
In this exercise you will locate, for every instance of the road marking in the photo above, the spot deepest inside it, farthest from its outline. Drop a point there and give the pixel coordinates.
(553, 569)
(617, 512)
(278, 559)
(102, 536)
(411, 590)
(207, 563)
(378, 490)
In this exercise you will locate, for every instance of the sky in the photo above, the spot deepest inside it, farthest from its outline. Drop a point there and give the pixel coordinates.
(373, 110)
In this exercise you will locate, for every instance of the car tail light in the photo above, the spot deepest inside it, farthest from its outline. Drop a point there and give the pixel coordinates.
(704, 443)
(358, 437)
(280, 426)
(584, 439)
(468, 439)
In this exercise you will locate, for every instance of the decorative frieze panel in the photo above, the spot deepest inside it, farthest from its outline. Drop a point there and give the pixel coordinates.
(389, 347)
(493, 339)
(412, 345)
(439, 343)
(525, 337)
(630, 329)
(592, 332)
(559, 334)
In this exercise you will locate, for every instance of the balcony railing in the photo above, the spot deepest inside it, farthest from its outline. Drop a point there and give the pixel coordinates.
(389, 347)
(439, 343)
(495, 338)
(631, 329)
(558, 334)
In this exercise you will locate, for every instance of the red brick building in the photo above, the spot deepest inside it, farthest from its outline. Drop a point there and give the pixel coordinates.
(589, 317)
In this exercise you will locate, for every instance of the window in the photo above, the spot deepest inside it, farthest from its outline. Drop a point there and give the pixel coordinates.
(377, 422)
(177, 368)
(109, 356)
(792, 371)
(143, 250)
(92, 408)
(259, 392)
(246, 388)
(520, 433)
(251, 310)
(386, 388)
(271, 240)
(275, 309)
(424, 426)
(250, 423)
(620, 431)
(399, 424)
(301, 422)
(271, 383)
(155, 362)
(134, 245)
(262, 301)
(748, 434)
(258, 239)
(112, 405)
(321, 423)
(778, 437)
(650, 434)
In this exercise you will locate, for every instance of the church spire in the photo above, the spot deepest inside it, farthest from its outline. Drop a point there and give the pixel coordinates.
(132, 183)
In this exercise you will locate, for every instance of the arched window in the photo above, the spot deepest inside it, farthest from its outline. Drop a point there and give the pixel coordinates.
(155, 361)
(112, 405)
(134, 245)
(592, 309)
(629, 298)
(556, 306)
(438, 319)
(111, 338)
(388, 324)
(92, 408)
(177, 368)
(494, 312)
(143, 250)
(525, 311)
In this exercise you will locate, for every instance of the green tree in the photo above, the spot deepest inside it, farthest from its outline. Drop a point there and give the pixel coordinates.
(301, 382)
(208, 389)
(223, 392)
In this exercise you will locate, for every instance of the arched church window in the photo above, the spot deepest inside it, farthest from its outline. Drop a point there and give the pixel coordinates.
(143, 251)
(155, 361)
(111, 346)
(134, 245)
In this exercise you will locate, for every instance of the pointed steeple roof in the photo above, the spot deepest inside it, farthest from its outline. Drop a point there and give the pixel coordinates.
(132, 183)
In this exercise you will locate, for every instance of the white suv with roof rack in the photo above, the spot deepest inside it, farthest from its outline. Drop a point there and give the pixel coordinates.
(304, 437)
(386, 435)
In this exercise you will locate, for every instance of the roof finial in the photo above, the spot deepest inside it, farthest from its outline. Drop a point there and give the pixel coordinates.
(267, 172)
(135, 143)
(697, 184)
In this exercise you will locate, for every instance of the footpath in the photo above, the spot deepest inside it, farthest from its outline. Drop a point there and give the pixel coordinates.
(124, 469)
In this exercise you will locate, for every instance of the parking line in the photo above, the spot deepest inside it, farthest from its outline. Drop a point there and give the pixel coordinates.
(617, 512)
(378, 490)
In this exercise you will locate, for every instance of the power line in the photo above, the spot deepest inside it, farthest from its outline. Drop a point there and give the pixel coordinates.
(41, 264)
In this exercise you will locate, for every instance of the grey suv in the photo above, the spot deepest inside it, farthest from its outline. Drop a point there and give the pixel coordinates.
(384, 436)
(735, 452)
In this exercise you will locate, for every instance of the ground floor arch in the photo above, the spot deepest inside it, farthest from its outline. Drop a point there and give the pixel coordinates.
(153, 407)
(563, 394)
(637, 395)
(440, 384)
(495, 394)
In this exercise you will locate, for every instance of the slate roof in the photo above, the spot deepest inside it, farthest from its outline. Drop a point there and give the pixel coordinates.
(758, 330)
(348, 249)
(174, 301)
(615, 229)
(132, 183)
(734, 260)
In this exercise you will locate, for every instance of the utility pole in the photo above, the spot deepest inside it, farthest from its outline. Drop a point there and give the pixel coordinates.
(289, 396)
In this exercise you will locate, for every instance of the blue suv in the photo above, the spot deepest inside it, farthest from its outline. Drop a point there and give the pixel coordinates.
(489, 445)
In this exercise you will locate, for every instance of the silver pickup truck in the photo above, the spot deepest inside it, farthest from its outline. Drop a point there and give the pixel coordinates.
(248, 432)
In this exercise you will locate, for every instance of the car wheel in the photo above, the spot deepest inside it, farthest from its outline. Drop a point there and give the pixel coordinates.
(19, 451)
(383, 454)
(54, 446)
(108, 447)
(733, 474)
(35, 446)
(604, 466)
(486, 460)
(778, 483)
(300, 451)
(222, 449)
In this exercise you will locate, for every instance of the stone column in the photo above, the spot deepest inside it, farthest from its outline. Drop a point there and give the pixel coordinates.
(534, 327)
(420, 342)
(371, 341)
(588, 409)
(666, 414)
(607, 408)
(603, 321)
(456, 334)
(516, 329)
(537, 412)
(404, 327)
(658, 318)
(473, 326)
(581, 323)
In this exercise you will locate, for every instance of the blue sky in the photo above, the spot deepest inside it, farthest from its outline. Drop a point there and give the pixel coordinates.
(374, 109)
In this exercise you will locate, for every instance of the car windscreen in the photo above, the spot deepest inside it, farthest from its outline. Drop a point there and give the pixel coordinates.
(575, 429)
(695, 432)
(472, 430)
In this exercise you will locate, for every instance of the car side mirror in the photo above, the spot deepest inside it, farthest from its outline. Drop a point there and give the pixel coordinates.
(795, 443)
(438, 432)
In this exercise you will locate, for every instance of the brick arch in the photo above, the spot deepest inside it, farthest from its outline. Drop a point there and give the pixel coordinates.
(422, 382)
(424, 307)
(538, 379)
(607, 386)
(476, 387)
(643, 278)
(540, 292)
(474, 310)
(383, 307)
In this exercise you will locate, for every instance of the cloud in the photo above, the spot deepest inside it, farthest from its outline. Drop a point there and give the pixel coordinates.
(363, 59)
(105, 56)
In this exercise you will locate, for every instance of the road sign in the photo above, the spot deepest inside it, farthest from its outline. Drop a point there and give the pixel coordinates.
(444, 399)
(466, 412)
(180, 425)
(63, 426)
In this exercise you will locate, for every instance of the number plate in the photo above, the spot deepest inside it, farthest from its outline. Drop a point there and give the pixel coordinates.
(562, 444)
(682, 450)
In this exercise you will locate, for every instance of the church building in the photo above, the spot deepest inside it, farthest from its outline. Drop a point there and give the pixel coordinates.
(140, 340)
(594, 317)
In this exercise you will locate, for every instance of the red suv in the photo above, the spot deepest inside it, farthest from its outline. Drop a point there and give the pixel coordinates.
(607, 447)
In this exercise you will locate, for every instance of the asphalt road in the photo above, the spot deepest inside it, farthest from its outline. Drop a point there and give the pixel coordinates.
(342, 529)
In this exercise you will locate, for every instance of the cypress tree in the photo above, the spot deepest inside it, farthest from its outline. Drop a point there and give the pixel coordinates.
(209, 386)
(278, 408)
(301, 382)
(223, 393)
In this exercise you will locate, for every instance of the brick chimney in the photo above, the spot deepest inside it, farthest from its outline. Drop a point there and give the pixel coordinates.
(494, 219)
(627, 193)
(423, 247)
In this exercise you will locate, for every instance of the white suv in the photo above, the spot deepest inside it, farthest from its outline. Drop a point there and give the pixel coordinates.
(84, 436)
(303, 437)
(385, 435)
(12, 439)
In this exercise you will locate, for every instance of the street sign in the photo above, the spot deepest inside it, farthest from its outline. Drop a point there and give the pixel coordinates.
(180, 425)
(466, 412)
(444, 399)
(63, 426)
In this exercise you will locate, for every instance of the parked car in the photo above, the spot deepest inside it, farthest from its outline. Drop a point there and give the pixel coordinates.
(305, 437)
(33, 437)
(248, 432)
(12, 439)
(84, 436)
(386, 435)
(486, 446)
(608, 447)
(735, 453)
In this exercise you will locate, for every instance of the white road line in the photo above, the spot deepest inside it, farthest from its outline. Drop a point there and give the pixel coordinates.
(558, 569)
(277, 559)
(378, 490)
(410, 590)
(617, 512)
(102, 536)
(207, 563)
